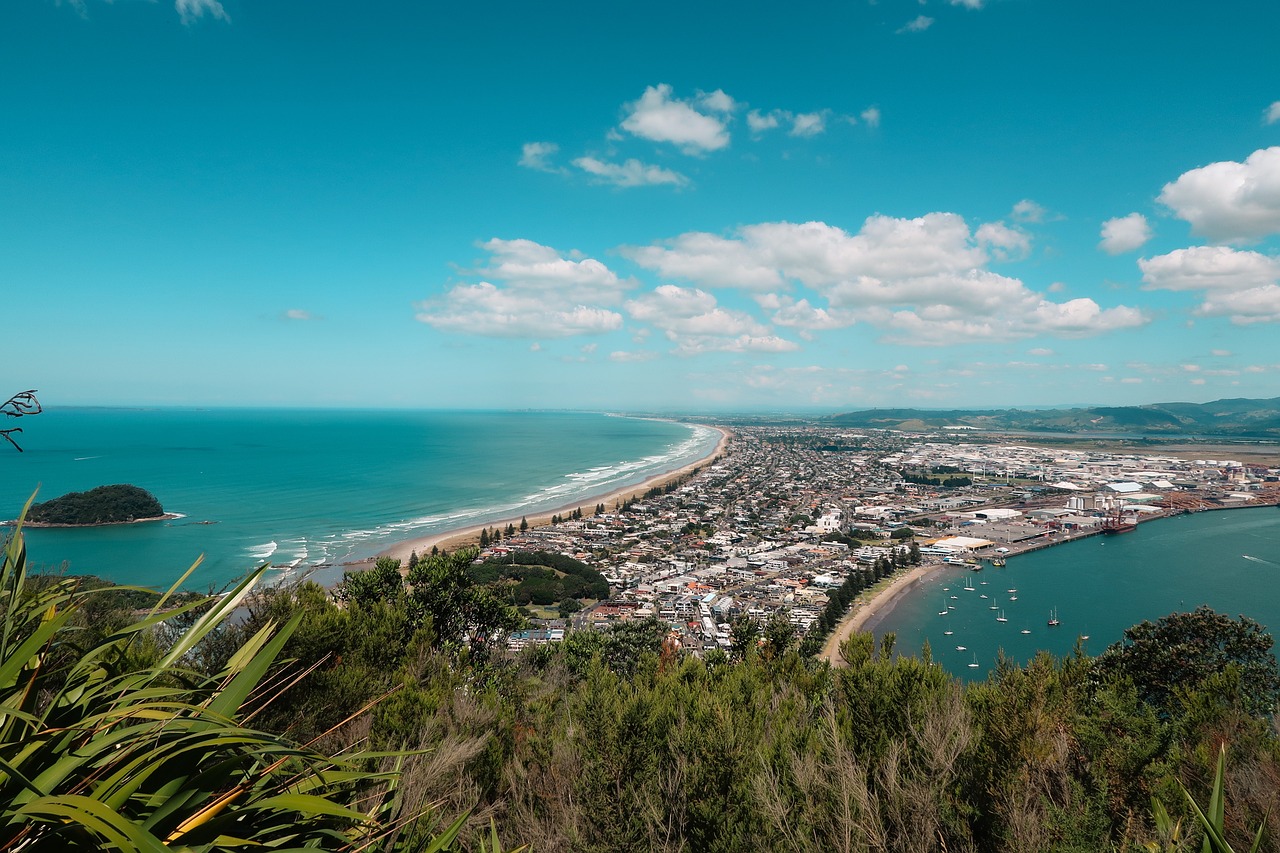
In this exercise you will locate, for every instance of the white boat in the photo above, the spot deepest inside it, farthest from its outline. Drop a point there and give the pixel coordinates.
(961, 649)
(1001, 617)
(974, 665)
(1054, 622)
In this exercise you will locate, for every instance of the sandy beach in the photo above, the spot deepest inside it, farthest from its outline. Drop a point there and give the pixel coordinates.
(449, 540)
(866, 614)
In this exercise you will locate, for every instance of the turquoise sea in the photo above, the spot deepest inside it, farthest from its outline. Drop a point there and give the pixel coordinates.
(1099, 586)
(301, 488)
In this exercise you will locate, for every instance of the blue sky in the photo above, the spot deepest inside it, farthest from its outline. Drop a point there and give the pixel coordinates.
(665, 206)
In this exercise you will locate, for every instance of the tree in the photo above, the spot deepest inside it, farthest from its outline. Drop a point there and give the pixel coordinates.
(524, 524)
(381, 583)
(1180, 651)
(413, 560)
(484, 537)
(442, 591)
(743, 634)
(902, 533)
(913, 553)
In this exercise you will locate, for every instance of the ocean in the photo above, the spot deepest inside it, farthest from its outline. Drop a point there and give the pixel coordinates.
(301, 488)
(1097, 587)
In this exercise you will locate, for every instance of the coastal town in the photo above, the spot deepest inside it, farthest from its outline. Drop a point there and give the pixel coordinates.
(785, 514)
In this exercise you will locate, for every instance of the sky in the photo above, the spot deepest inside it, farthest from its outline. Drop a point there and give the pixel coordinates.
(712, 206)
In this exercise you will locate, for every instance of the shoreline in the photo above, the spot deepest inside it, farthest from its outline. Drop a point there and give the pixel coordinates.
(866, 615)
(874, 609)
(449, 540)
(52, 525)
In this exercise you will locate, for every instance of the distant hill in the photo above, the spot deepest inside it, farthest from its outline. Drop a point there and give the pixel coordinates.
(1235, 418)
(104, 505)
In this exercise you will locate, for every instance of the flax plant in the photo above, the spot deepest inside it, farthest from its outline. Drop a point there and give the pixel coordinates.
(101, 752)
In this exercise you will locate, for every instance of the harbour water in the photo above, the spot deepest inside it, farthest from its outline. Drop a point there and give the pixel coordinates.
(301, 488)
(1098, 587)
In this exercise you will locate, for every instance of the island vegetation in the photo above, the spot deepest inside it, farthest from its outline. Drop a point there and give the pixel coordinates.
(118, 504)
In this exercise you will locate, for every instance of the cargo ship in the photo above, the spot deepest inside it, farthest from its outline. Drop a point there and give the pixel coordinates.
(1118, 523)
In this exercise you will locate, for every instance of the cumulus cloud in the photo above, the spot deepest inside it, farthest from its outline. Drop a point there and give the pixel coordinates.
(537, 155)
(659, 117)
(759, 122)
(542, 295)
(1004, 242)
(695, 323)
(1272, 114)
(871, 115)
(1124, 234)
(717, 101)
(1028, 211)
(799, 314)
(1230, 202)
(924, 279)
(1244, 286)
(1040, 351)
(630, 173)
(193, 10)
(918, 24)
(968, 4)
(808, 124)
(301, 314)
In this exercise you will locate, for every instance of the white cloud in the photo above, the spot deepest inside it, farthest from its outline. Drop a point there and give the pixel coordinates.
(923, 279)
(658, 117)
(537, 155)
(693, 321)
(1028, 211)
(799, 314)
(298, 314)
(1230, 202)
(871, 115)
(968, 4)
(631, 173)
(808, 124)
(1125, 234)
(759, 122)
(1005, 243)
(1272, 114)
(639, 355)
(542, 295)
(193, 10)
(708, 259)
(1244, 286)
(918, 24)
(1040, 351)
(1221, 353)
(1209, 268)
(717, 101)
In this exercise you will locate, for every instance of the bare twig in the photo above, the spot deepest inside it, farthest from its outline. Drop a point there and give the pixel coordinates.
(24, 403)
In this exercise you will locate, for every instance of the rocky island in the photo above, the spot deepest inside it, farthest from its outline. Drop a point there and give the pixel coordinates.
(118, 504)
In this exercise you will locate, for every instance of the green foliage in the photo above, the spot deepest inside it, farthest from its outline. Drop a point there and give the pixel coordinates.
(103, 505)
(1178, 652)
(570, 579)
(121, 745)
(1213, 820)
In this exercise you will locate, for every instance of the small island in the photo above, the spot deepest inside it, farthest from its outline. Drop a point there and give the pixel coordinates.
(118, 504)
